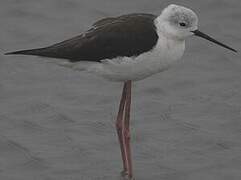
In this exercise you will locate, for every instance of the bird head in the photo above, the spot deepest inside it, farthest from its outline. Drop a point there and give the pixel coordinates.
(178, 22)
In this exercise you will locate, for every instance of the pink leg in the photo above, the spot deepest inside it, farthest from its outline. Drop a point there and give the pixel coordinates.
(120, 127)
(127, 130)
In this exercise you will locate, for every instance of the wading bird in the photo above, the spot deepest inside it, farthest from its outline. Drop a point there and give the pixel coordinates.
(129, 48)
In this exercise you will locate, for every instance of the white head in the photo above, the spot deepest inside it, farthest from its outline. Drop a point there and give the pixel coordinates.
(178, 22)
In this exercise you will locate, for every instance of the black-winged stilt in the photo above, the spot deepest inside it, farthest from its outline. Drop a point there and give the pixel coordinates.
(129, 48)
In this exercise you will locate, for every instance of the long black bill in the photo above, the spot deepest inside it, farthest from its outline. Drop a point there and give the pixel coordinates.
(200, 34)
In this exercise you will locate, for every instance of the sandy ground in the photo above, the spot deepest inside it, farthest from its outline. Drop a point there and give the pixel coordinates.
(58, 124)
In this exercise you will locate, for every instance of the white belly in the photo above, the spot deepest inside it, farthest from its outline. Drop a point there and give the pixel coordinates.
(165, 54)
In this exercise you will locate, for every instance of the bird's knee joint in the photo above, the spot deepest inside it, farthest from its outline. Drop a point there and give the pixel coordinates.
(127, 134)
(119, 126)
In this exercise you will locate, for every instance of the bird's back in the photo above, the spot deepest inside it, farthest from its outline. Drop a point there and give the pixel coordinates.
(123, 36)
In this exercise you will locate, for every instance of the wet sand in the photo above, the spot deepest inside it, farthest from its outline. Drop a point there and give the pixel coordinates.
(58, 124)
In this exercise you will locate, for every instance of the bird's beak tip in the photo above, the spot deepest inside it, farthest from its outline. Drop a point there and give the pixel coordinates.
(205, 36)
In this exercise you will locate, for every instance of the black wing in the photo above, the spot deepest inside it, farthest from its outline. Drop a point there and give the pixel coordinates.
(127, 35)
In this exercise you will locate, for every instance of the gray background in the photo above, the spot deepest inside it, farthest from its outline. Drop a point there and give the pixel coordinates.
(58, 124)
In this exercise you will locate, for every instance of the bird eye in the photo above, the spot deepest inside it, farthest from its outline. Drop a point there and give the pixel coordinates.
(182, 24)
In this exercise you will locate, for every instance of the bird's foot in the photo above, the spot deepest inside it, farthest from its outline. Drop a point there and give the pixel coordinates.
(125, 176)
(123, 173)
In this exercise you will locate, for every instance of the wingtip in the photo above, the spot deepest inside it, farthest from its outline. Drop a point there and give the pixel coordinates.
(23, 52)
(8, 53)
(12, 53)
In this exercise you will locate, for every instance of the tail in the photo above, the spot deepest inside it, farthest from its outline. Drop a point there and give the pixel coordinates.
(37, 52)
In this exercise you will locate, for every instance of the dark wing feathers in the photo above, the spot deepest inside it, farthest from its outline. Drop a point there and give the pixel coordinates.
(128, 35)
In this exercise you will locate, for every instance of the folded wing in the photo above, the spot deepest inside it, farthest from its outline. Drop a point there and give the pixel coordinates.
(128, 35)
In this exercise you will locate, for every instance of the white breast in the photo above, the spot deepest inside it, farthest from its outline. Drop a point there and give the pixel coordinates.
(162, 56)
